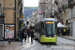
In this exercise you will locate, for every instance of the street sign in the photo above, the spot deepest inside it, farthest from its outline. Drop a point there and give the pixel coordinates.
(22, 16)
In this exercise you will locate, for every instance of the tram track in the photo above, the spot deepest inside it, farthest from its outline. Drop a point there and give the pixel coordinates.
(58, 45)
(50, 46)
(47, 46)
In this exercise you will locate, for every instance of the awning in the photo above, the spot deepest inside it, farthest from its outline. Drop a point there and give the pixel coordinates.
(60, 25)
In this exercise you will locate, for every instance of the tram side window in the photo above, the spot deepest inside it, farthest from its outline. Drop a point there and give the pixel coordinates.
(42, 28)
(56, 27)
(42, 25)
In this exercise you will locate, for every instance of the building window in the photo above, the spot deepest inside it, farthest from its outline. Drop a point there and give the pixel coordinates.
(66, 22)
(73, 12)
(69, 13)
(0, 9)
(52, 2)
(69, 27)
(60, 0)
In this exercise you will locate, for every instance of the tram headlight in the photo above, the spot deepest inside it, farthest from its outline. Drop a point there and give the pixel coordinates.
(54, 35)
(45, 35)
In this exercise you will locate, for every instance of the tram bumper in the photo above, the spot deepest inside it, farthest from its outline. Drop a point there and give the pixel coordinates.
(44, 39)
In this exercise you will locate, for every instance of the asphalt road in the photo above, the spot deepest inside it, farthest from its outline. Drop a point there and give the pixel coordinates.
(62, 44)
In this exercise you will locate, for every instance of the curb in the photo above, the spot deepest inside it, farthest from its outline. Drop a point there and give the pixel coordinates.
(68, 38)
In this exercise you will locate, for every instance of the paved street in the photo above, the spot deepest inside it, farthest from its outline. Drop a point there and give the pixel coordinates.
(62, 44)
(15, 45)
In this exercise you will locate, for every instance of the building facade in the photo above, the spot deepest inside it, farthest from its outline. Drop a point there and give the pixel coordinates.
(63, 10)
(2, 16)
(71, 17)
(10, 16)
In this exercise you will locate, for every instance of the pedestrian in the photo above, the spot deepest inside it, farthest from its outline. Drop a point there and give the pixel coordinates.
(32, 35)
(23, 29)
(28, 31)
(22, 36)
(25, 35)
(61, 31)
(64, 30)
(58, 31)
(68, 32)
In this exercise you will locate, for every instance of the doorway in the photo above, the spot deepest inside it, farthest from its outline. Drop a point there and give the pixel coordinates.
(1, 31)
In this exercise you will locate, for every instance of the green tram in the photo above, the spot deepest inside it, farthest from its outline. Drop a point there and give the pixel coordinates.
(32, 27)
(46, 30)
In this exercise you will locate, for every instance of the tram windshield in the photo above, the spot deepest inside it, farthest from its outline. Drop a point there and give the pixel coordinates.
(49, 28)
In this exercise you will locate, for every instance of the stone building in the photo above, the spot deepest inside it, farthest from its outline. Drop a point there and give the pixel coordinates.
(10, 12)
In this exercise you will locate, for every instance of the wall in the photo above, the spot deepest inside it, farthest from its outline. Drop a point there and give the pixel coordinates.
(1, 2)
(74, 29)
(9, 3)
(9, 16)
(9, 11)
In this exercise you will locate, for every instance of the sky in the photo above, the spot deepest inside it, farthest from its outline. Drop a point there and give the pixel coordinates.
(31, 3)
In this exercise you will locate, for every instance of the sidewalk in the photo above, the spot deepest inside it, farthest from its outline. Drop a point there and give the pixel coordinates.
(70, 37)
(16, 45)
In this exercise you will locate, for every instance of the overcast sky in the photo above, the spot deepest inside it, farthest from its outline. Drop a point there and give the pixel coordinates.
(31, 3)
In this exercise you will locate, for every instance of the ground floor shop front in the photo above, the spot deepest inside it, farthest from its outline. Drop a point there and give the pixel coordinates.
(71, 26)
(8, 30)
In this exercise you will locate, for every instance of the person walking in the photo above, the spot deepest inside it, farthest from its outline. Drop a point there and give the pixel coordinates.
(25, 35)
(28, 31)
(32, 35)
(68, 32)
(64, 31)
(58, 31)
(22, 36)
(61, 31)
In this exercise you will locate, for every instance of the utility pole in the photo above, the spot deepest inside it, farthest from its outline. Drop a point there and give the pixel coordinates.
(15, 18)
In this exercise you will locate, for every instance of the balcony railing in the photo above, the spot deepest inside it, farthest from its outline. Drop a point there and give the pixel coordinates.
(19, 1)
(60, 9)
(71, 3)
(64, 6)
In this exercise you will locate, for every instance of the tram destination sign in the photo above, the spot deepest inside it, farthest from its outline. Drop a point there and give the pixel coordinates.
(49, 22)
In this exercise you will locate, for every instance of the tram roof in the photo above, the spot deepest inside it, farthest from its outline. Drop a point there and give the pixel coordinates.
(49, 19)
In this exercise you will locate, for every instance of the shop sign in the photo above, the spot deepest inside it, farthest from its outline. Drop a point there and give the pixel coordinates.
(22, 16)
(9, 31)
